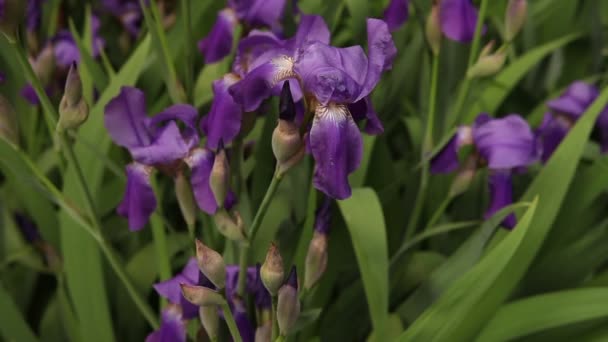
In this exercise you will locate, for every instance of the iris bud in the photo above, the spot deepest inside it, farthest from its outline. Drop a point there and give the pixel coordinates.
(210, 320)
(316, 259)
(231, 226)
(288, 305)
(272, 272)
(219, 179)
(201, 296)
(211, 264)
(515, 17)
(11, 14)
(264, 332)
(433, 30)
(44, 64)
(73, 109)
(287, 144)
(488, 64)
(465, 176)
(8, 122)
(185, 199)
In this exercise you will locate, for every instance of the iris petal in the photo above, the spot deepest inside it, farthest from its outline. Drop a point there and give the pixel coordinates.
(139, 201)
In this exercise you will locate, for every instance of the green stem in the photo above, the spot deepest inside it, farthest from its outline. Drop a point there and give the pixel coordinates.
(466, 86)
(275, 322)
(243, 259)
(159, 236)
(427, 147)
(234, 331)
(438, 213)
(185, 9)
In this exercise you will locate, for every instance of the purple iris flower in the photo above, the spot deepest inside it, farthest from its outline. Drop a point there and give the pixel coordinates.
(249, 13)
(337, 80)
(128, 12)
(563, 113)
(458, 19)
(396, 13)
(66, 50)
(172, 327)
(34, 14)
(223, 122)
(152, 141)
(191, 275)
(504, 145)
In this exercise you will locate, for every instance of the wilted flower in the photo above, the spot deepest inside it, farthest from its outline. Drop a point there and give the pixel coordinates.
(504, 145)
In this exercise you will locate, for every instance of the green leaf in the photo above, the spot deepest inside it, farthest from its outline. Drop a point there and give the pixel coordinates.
(538, 313)
(82, 260)
(365, 221)
(454, 316)
(493, 95)
(13, 327)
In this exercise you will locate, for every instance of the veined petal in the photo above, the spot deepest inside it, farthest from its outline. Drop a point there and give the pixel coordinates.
(139, 201)
(396, 13)
(201, 162)
(172, 327)
(223, 122)
(505, 143)
(259, 84)
(337, 147)
(186, 114)
(168, 146)
(458, 19)
(125, 117)
(218, 43)
(501, 195)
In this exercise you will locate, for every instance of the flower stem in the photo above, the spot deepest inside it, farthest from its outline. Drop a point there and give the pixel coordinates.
(438, 213)
(275, 322)
(466, 85)
(427, 147)
(185, 11)
(243, 259)
(234, 331)
(160, 237)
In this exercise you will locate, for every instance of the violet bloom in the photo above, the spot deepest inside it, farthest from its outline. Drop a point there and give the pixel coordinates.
(190, 275)
(504, 145)
(563, 113)
(66, 50)
(34, 14)
(396, 13)
(172, 327)
(152, 141)
(128, 13)
(339, 80)
(249, 13)
(458, 19)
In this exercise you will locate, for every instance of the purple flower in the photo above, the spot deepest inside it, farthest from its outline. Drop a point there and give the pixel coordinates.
(66, 50)
(551, 132)
(28, 228)
(128, 12)
(172, 327)
(252, 13)
(223, 122)
(503, 145)
(152, 141)
(458, 19)
(323, 217)
(33, 14)
(396, 13)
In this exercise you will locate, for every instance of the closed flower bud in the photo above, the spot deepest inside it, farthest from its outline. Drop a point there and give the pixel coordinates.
(231, 226)
(73, 109)
(211, 264)
(44, 64)
(185, 199)
(433, 30)
(272, 272)
(201, 296)
(465, 176)
(316, 259)
(210, 320)
(219, 179)
(287, 144)
(8, 122)
(264, 332)
(11, 15)
(488, 64)
(288, 305)
(515, 17)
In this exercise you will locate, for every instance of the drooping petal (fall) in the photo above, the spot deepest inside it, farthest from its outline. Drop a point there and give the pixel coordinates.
(138, 202)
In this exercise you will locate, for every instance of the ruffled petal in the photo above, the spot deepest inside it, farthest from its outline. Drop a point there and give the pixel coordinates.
(257, 48)
(364, 110)
(458, 19)
(218, 43)
(125, 118)
(337, 147)
(139, 201)
(311, 28)
(382, 52)
(501, 195)
(172, 327)
(184, 113)
(168, 147)
(201, 163)
(505, 143)
(396, 13)
(223, 122)
(575, 100)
